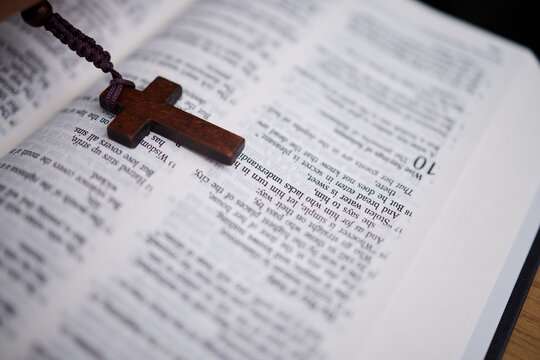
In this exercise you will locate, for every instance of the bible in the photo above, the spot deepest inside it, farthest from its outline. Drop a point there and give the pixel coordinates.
(383, 206)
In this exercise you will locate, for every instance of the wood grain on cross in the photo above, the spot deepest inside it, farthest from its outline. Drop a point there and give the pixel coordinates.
(140, 112)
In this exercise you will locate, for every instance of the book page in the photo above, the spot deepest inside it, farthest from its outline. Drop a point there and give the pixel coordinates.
(36, 68)
(78, 186)
(487, 325)
(486, 247)
(281, 255)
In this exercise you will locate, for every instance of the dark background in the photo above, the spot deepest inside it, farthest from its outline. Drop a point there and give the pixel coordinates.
(513, 19)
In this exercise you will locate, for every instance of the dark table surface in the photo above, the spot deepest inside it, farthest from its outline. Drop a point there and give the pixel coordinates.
(517, 20)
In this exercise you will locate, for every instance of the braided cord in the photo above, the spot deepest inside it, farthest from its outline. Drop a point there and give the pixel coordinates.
(86, 47)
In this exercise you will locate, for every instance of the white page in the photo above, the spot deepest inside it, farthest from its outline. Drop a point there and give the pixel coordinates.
(84, 186)
(36, 68)
(252, 258)
(486, 325)
(476, 243)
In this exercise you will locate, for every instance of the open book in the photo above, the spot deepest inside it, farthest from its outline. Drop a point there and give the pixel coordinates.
(382, 208)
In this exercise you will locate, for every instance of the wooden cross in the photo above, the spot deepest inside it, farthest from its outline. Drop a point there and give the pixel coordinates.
(140, 112)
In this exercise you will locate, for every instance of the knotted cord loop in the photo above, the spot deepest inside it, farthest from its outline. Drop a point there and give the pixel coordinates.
(117, 84)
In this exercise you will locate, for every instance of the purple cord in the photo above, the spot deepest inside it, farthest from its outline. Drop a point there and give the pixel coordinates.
(86, 47)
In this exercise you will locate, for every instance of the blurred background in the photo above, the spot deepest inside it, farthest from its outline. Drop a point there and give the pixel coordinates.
(517, 20)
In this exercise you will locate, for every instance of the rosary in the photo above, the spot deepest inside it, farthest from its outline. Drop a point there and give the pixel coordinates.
(139, 112)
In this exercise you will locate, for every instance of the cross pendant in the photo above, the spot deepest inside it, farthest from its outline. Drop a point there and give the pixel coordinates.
(139, 112)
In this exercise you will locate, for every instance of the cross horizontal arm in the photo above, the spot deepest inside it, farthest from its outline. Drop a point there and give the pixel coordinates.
(201, 136)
